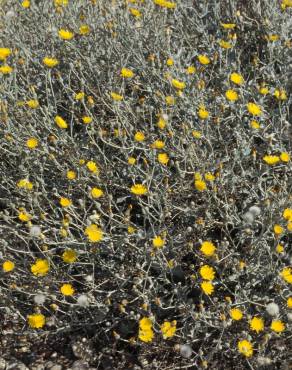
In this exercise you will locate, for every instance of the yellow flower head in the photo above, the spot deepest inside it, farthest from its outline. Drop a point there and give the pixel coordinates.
(40, 267)
(139, 136)
(236, 78)
(277, 326)
(169, 100)
(287, 214)
(92, 167)
(71, 175)
(146, 333)
(5, 70)
(200, 185)
(207, 287)
(65, 34)
(285, 157)
(116, 96)
(60, 122)
(25, 4)
(203, 59)
(24, 183)
(8, 266)
(170, 62)
(32, 104)
(4, 53)
(203, 113)
(79, 96)
(207, 272)
(278, 229)
(163, 158)
(286, 274)
(236, 314)
(126, 73)
(256, 324)
(254, 124)
(67, 289)
(168, 329)
(191, 70)
(145, 323)
(228, 26)
(289, 302)
(69, 256)
(61, 2)
(158, 242)
(94, 234)
(96, 193)
(131, 161)
(158, 144)
(165, 4)
(139, 189)
(84, 30)
(24, 216)
(245, 348)
(254, 109)
(36, 320)
(271, 159)
(50, 62)
(65, 202)
(32, 143)
(231, 95)
(161, 123)
(196, 134)
(135, 12)
(225, 44)
(178, 84)
(208, 248)
(86, 120)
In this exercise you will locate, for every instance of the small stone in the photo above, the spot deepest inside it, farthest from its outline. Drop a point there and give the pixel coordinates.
(272, 309)
(186, 351)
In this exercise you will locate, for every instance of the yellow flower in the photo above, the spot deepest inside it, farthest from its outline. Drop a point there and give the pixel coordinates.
(161, 123)
(92, 167)
(69, 256)
(96, 193)
(203, 113)
(116, 97)
(36, 320)
(127, 73)
(135, 12)
(131, 229)
(228, 26)
(24, 183)
(256, 324)
(93, 233)
(67, 289)
(84, 30)
(131, 161)
(158, 144)
(8, 266)
(236, 78)
(86, 120)
(139, 136)
(231, 95)
(165, 4)
(225, 44)
(60, 122)
(65, 34)
(5, 70)
(289, 226)
(191, 70)
(280, 94)
(170, 100)
(207, 272)
(196, 134)
(163, 158)
(208, 248)
(271, 159)
(254, 109)
(245, 348)
(264, 90)
(287, 214)
(289, 302)
(139, 189)
(170, 62)
(25, 4)
(277, 326)
(209, 176)
(71, 175)
(61, 2)
(24, 217)
(278, 229)
(279, 248)
(200, 185)
(50, 62)
(255, 125)
(286, 274)
(146, 333)
(33, 103)
(32, 143)
(207, 287)
(285, 157)
(40, 267)
(158, 242)
(178, 84)
(236, 314)
(203, 59)
(168, 329)
(4, 53)
(65, 202)
(145, 323)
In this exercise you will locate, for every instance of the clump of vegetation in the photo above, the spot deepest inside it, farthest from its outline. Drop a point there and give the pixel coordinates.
(145, 193)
